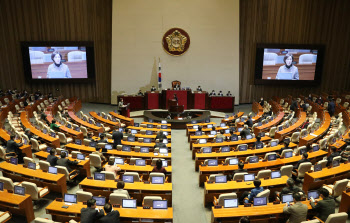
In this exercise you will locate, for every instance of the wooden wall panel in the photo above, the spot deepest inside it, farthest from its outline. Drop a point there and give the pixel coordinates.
(50, 20)
(295, 22)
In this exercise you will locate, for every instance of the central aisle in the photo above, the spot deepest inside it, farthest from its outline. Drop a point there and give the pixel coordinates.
(187, 195)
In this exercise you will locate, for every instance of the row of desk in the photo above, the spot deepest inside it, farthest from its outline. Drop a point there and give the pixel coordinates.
(196, 100)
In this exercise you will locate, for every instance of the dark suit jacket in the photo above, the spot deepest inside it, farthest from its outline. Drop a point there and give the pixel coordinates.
(117, 137)
(261, 102)
(160, 136)
(52, 160)
(244, 133)
(111, 217)
(324, 208)
(331, 107)
(89, 215)
(12, 146)
(160, 145)
(66, 162)
(249, 122)
(294, 106)
(300, 162)
(330, 158)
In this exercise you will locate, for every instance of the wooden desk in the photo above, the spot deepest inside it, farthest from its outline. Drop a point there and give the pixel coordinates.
(206, 171)
(151, 129)
(140, 169)
(288, 131)
(93, 128)
(83, 165)
(213, 189)
(345, 202)
(103, 120)
(153, 137)
(200, 157)
(232, 118)
(41, 179)
(17, 204)
(156, 123)
(55, 142)
(127, 121)
(267, 126)
(269, 213)
(256, 108)
(126, 214)
(113, 152)
(137, 190)
(140, 144)
(320, 132)
(27, 149)
(66, 130)
(326, 176)
(196, 147)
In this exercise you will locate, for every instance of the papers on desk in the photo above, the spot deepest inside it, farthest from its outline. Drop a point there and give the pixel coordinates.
(165, 154)
(156, 154)
(180, 118)
(313, 134)
(211, 135)
(68, 203)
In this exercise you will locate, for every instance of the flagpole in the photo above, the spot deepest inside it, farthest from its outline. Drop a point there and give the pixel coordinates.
(159, 75)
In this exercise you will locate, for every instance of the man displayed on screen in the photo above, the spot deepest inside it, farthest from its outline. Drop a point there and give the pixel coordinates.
(288, 71)
(58, 69)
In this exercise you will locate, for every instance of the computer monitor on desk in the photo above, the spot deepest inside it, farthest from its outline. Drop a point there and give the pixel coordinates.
(221, 179)
(249, 177)
(70, 198)
(129, 203)
(287, 198)
(231, 203)
(260, 201)
(160, 204)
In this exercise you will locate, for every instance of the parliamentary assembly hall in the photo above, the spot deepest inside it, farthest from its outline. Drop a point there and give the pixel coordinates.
(174, 111)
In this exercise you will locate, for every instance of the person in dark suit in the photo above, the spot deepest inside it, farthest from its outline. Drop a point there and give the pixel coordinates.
(297, 211)
(286, 146)
(111, 216)
(52, 158)
(240, 169)
(28, 133)
(102, 139)
(220, 93)
(90, 214)
(244, 220)
(43, 117)
(303, 160)
(161, 136)
(175, 97)
(212, 93)
(261, 102)
(324, 207)
(245, 132)
(199, 88)
(140, 93)
(331, 107)
(66, 162)
(229, 94)
(294, 106)
(333, 154)
(117, 137)
(153, 88)
(13, 147)
(290, 188)
(319, 101)
(249, 122)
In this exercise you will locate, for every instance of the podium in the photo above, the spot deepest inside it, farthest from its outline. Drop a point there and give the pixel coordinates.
(200, 99)
(174, 108)
(152, 100)
(125, 110)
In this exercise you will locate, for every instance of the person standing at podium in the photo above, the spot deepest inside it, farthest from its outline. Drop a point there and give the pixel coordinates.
(175, 98)
(120, 105)
(199, 88)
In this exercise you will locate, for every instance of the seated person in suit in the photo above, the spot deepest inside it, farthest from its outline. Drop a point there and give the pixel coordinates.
(160, 135)
(333, 154)
(43, 117)
(290, 188)
(255, 191)
(258, 141)
(140, 93)
(52, 158)
(54, 126)
(229, 93)
(303, 160)
(220, 93)
(66, 162)
(159, 167)
(102, 139)
(169, 116)
(294, 105)
(160, 144)
(177, 86)
(249, 122)
(239, 170)
(319, 100)
(120, 189)
(245, 132)
(111, 167)
(112, 216)
(285, 146)
(324, 206)
(13, 147)
(244, 220)
(212, 93)
(199, 88)
(345, 154)
(153, 88)
(221, 134)
(89, 136)
(90, 214)
(29, 134)
(127, 132)
(297, 211)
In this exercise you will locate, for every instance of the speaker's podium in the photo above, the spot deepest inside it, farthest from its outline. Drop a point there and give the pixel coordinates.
(125, 110)
(174, 108)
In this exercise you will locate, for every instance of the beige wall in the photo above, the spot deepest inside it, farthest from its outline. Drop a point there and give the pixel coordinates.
(212, 60)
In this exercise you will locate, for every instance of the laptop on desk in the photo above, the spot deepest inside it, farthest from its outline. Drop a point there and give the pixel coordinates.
(285, 76)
